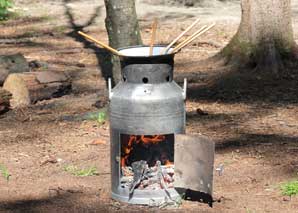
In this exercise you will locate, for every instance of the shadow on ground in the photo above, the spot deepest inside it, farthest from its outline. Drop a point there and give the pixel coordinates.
(103, 57)
(248, 87)
(247, 139)
(65, 202)
(69, 202)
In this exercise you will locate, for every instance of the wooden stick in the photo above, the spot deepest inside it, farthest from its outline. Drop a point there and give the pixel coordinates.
(153, 33)
(110, 49)
(193, 38)
(190, 37)
(180, 36)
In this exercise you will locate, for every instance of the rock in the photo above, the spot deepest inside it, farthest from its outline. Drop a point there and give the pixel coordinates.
(12, 64)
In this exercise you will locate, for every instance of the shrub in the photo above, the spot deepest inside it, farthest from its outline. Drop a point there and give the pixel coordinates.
(4, 8)
(290, 188)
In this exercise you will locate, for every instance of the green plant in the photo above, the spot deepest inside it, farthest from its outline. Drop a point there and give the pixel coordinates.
(91, 171)
(4, 172)
(99, 116)
(290, 188)
(4, 8)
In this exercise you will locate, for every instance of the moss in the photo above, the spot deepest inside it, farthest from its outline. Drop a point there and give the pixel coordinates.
(242, 48)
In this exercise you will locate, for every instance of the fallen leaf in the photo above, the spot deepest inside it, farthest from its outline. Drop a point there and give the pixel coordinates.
(98, 142)
(51, 159)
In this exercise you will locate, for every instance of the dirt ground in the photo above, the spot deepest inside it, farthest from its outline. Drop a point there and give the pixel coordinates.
(254, 123)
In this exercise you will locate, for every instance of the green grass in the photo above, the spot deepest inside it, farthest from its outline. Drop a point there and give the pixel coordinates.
(4, 171)
(290, 188)
(99, 116)
(91, 171)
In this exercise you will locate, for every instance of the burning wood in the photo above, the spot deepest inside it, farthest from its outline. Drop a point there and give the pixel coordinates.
(141, 176)
(139, 168)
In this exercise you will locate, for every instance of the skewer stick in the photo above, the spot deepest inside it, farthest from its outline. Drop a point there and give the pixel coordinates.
(153, 33)
(190, 37)
(180, 36)
(110, 49)
(193, 38)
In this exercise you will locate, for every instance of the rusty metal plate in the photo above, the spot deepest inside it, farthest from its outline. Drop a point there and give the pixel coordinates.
(194, 160)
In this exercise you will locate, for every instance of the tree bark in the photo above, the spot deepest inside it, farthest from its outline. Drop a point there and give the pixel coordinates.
(28, 88)
(123, 29)
(265, 35)
(5, 97)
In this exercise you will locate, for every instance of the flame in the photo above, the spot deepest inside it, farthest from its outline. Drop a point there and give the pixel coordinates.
(168, 163)
(153, 139)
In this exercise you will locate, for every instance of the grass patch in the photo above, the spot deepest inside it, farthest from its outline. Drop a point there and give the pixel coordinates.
(91, 171)
(290, 188)
(99, 116)
(4, 171)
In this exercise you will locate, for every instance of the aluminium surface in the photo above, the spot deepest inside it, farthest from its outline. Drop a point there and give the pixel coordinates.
(146, 102)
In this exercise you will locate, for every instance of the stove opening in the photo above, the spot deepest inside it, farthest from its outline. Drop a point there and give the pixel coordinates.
(147, 161)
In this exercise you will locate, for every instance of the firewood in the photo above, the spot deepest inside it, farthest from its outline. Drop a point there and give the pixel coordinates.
(5, 97)
(28, 88)
(12, 64)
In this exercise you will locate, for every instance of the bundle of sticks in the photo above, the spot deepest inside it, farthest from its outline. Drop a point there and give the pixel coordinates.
(168, 49)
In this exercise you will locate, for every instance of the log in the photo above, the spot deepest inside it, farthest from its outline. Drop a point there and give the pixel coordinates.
(28, 88)
(12, 64)
(5, 97)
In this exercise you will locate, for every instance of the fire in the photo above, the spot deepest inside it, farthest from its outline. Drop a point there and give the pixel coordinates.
(146, 140)
(168, 163)
(154, 139)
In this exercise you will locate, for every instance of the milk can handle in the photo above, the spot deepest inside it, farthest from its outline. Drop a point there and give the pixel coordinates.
(184, 88)
(110, 88)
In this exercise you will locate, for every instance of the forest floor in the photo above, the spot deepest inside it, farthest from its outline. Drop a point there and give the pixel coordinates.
(253, 122)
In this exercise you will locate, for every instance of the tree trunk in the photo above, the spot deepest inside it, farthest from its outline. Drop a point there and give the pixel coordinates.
(5, 97)
(265, 36)
(28, 88)
(123, 29)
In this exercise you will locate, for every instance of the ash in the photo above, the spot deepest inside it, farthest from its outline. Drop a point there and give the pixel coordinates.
(142, 177)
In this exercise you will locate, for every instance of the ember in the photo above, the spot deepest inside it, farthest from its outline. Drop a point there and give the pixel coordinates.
(141, 176)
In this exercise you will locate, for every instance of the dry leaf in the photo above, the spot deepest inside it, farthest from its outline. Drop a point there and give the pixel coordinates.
(98, 142)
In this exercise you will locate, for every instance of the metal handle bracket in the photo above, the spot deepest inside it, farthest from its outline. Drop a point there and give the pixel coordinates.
(184, 88)
(110, 88)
